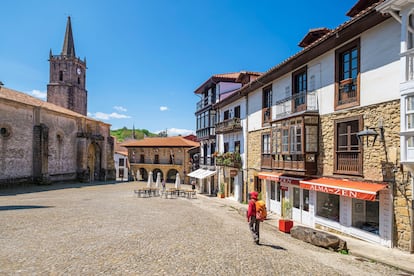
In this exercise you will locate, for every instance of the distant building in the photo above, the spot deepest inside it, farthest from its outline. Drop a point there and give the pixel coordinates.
(165, 155)
(121, 163)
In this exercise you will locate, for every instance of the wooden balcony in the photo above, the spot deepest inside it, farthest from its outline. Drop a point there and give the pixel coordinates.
(347, 91)
(295, 163)
(230, 125)
(348, 163)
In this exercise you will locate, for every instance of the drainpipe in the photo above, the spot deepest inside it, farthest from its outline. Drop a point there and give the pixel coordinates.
(246, 147)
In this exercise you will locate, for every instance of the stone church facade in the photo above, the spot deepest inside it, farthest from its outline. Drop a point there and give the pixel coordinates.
(43, 142)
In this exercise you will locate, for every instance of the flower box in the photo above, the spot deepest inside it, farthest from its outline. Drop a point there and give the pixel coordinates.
(285, 225)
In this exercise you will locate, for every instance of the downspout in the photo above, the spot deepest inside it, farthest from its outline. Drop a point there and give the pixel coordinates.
(246, 146)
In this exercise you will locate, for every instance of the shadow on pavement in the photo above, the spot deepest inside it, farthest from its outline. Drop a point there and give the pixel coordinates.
(19, 207)
(55, 186)
(273, 246)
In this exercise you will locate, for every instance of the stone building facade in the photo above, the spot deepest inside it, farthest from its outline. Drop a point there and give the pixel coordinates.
(44, 142)
(254, 159)
(165, 155)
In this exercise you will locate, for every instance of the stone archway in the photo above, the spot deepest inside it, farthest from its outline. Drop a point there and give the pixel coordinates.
(155, 172)
(171, 175)
(94, 162)
(144, 174)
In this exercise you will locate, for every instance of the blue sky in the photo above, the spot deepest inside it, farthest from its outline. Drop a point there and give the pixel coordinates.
(146, 58)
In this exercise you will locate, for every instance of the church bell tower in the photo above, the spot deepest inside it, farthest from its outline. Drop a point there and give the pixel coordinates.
(67, 79)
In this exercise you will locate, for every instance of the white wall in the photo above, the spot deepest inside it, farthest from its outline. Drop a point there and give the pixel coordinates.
(380, 63)
(223, 87)
(255, 110)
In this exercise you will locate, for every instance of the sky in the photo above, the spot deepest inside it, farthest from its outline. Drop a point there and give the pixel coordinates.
(145, 59)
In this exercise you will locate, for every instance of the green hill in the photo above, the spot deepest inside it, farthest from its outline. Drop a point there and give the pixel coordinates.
(124, 133)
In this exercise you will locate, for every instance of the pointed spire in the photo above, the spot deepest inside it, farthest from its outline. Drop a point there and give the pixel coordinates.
(68, 44)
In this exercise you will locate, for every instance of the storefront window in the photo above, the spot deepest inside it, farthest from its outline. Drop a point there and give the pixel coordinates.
(278, 192)
(272, 190)
(328, 206)
(296, 198)
(365, 215)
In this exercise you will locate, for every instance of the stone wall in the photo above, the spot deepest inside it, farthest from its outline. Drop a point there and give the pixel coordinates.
(38, 145)
(254, 157)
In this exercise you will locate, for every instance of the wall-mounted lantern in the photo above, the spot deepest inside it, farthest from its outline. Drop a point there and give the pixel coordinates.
(370, 132)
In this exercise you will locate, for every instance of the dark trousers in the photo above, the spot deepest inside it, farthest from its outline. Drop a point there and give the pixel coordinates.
(254, 226)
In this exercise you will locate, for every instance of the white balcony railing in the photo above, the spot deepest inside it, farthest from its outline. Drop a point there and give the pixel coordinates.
(296, 103)
(409, 64)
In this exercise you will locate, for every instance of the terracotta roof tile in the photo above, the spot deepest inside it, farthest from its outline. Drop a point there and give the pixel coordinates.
(15, 96)
(174, 141)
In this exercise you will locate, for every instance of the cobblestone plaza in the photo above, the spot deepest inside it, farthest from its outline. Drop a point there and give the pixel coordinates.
(105, 229)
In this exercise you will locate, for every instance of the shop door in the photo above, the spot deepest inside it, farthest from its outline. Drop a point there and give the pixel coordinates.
(300, 206)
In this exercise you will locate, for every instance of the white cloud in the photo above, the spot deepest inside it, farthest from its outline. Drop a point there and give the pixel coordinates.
(106, 116)
(177, 131)
(163, 108)
(39, 94)
(120, 108)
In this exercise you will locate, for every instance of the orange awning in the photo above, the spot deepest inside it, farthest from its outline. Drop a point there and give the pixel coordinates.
(343, 187)
(269, 176)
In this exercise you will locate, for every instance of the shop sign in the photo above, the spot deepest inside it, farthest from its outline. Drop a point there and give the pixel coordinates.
(340, 192)
(288, 180)
(284, 188)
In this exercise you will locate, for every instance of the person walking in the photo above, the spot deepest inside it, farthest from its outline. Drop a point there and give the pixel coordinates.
(163, 186)
(254, 223)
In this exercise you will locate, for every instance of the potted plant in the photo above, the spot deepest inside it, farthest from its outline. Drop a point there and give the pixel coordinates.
(286, 223)
(221, 192)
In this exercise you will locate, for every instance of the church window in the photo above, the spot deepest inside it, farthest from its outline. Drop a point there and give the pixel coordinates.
(4, 132)
(78, 80)
(61, 75)
(59, 144)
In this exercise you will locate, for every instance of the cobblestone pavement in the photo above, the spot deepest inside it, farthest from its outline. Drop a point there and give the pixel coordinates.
(107, 230)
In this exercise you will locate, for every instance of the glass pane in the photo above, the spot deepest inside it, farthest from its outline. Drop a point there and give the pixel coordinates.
(410, 103)
(328, 206)
(354, 53)
(354, 64)
(311, 138)
(296, 198)
(410, 121)
(346, 57)
(354, 73)
(410, 142)
(365, 215)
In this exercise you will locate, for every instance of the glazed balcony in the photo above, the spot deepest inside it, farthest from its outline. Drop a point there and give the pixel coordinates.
(207, 101)
(207, 161)
(296, 103)
(206, 133)
(230, 125)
